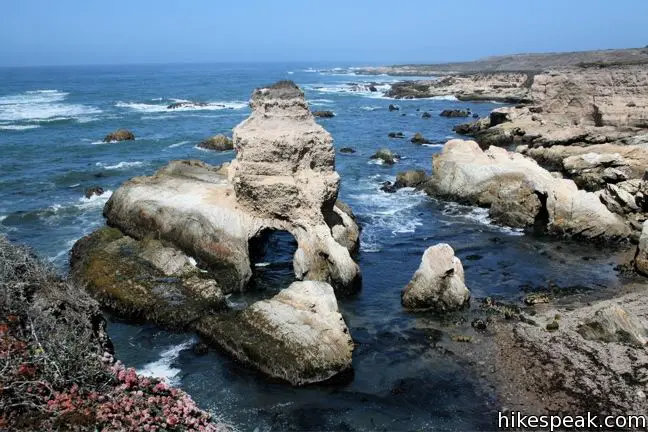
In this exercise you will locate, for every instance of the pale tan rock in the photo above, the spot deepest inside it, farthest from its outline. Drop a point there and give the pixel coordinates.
(438, 283)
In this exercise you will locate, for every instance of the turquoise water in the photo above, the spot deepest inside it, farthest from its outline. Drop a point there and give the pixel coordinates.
(407, 377)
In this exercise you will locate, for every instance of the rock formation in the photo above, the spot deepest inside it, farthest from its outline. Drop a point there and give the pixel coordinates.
(119, 135)
(520, 193)
(324, 114)
(385, 156)
(312, 344)
(454, 113)
(438, 283)
(180, 240)
(218, 143)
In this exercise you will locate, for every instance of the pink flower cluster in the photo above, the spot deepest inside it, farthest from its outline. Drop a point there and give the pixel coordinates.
(136, 403)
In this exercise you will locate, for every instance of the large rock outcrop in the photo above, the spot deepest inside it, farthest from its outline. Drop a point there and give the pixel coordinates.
(297, 336)
(179, 240)
(283, 178)
(520, 193)
(438, 283)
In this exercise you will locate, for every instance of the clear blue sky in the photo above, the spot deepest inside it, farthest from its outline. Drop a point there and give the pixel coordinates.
(43, 32)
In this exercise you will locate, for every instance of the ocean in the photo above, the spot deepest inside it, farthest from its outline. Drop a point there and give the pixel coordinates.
(409, 375)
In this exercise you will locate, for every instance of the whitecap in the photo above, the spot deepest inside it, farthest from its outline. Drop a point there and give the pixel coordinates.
(120, 165)
(479, 215)
(18, 127)
(41, 105)
(290, 72)
(163, 368)
(178, 144)
(262, 264)
(93, 201)
(433, 145)
(156, 108)
(444, 98)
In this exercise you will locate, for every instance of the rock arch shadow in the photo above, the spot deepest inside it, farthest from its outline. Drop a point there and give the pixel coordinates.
(271, 258)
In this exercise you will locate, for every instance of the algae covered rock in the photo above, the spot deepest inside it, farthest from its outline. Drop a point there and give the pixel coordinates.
(218, 143)
(119, 135)
(297, 336)
(143, 280)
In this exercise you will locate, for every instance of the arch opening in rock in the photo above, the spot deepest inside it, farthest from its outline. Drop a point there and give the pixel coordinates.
(271, 258)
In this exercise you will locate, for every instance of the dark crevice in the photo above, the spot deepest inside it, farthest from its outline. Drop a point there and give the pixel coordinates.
(542, 218)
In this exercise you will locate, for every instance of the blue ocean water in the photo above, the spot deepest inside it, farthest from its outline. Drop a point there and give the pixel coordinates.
(408, 374)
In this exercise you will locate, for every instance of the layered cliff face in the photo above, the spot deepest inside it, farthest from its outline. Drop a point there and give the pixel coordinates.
(613, 96)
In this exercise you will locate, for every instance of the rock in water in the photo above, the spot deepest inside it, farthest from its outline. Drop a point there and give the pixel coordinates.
(396, 135)
(119, 135)
(393, 107)
(297, 336)
(418, 138)
(426, 115)
(187, 104)
(520, 193)
(454, 113)
(283, 178)
(411, 178)
(324, 114)
(218, 143)
(93, 191)
(386, 156)
(347, 150)
(438, 283)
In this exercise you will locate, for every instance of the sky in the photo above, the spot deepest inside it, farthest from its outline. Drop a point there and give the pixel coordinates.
(79, 32)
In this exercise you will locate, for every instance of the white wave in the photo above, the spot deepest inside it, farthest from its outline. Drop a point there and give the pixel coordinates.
(370, 108)
(479, 215)
(433, 145)
(178, 144)
(160, 117)
(445, 98)
(320, 102)
(155, 108)
(357, 89)
(3, 217)
(290, 72)
(120, 165)
(262, 264)
(93, 201)
(41, 105)
(163, 368)
(18, 127)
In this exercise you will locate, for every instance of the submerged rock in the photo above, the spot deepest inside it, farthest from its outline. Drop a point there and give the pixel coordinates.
(426, 115)
(347, 150)
(324, 114)
(438, 283)
(418, 138)
(93, 191)
(297, 336)
(454, 113)
(520, 193)
(187, 104)
(386, 156)
(218, 143)
(396, 135)
(119, 135)
(393, 107)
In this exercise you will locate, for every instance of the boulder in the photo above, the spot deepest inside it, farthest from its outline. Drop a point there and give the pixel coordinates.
(393, 107)
(119, 135)
(149, 279)
(426, 115)
(186, 104)
(324, 114)
(385, 156)
(411, 178)
(218, 143)
(283, 178)
(438, 283)
(347, 150)
(297, 336)
(520, 193)
(418, 138)
(93, 191)
(614, 324)
(454, 113)
(396, 135)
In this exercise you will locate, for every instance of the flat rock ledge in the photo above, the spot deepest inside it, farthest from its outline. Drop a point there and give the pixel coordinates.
(179, 241)
(589, 359)
(519, 193)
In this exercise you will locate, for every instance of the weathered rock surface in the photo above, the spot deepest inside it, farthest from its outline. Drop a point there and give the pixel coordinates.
(641, 256)
(119, 135)
(283, 178)
(149, 279)
(218, 143)
(520, 193)
(298, 336)
(595, 361)
(411, 178)
(502, 87)
(438, 283)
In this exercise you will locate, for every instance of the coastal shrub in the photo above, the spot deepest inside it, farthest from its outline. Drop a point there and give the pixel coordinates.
(56, 371)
